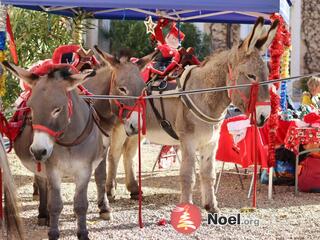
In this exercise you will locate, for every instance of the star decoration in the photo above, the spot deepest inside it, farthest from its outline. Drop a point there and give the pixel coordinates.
(150, 25)
(85, 57)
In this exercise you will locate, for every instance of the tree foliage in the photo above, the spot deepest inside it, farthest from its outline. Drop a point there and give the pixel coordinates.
(132, 35)
(36, 34)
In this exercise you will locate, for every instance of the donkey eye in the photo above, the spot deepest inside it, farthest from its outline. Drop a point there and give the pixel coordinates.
(123, 90)
(251, 76)
(55, 113)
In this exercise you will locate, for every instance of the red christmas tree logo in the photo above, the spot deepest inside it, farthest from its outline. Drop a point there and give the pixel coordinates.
(186, 218)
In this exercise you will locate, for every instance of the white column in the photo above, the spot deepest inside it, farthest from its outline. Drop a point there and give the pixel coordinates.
(295, 24)
(92, 34)
(270, 184)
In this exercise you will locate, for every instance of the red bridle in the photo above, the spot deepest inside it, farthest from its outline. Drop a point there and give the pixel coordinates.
(252, 100)
(52, 133)
(139, 107)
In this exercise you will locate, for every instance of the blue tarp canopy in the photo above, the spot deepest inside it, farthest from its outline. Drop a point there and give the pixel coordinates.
(228, 11)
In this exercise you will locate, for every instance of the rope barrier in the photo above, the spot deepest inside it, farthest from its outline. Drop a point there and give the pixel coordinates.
(179, 93)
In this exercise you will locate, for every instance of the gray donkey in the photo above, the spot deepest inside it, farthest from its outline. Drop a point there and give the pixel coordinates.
(197, 119)
(62, 136)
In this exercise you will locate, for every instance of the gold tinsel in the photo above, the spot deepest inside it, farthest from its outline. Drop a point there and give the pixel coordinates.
(285, 60)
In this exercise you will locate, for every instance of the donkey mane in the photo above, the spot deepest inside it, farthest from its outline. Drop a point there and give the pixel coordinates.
(214, 56)
(63, 72)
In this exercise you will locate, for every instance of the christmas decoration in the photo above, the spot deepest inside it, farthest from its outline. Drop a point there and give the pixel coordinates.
(280, 42)
(150, 25)
(162, 222)
(169, 56)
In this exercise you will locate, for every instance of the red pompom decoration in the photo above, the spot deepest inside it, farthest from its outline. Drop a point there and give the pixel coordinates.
(162, 222)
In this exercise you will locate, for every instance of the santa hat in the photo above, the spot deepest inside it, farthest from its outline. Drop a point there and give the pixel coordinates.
(72, 54)
(176, 32)
(311, 118)
(60, 52)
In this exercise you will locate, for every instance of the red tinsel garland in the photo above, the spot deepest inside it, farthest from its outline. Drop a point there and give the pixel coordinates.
(281, 40)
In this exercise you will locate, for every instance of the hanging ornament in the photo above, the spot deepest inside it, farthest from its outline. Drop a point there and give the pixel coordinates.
(150, 25)
(279, 44)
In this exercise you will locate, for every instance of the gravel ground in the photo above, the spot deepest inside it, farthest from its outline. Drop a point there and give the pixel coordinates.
(285, 217)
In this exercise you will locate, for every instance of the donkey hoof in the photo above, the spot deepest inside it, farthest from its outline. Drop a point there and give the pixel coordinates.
(83, 235)
(35, 197)
(53, 235)
(111, 194)
(111, 198)
(43, 221)
(135, 196)
(211, 209)
(106, 216)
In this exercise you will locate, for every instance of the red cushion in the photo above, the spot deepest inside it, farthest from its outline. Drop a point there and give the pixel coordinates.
(309, 178)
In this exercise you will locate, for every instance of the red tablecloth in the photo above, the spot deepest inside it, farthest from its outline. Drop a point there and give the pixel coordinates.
(297, 136)
(282, 130)
(243, 153)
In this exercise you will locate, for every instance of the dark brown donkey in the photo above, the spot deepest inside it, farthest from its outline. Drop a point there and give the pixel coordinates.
(65, 140)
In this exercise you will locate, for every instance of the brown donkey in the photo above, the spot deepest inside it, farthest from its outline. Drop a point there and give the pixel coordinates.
(239, 65)
(65, 140)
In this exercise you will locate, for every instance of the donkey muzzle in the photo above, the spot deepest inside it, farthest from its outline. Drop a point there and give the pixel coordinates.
(42, 146)
(39, 154)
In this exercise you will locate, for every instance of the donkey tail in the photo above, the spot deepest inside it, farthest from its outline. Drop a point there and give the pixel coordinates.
(11, 216)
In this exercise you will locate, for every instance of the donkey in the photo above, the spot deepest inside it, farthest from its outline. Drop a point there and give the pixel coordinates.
(64, 139)
(198, 127)
(120, 143)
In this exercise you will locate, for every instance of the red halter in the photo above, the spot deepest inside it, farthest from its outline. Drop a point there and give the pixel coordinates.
(252, 101)
(139, 107)
(56, 134)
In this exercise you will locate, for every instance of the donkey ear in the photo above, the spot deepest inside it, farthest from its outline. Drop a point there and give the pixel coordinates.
(29, 78)
(75, 80)
(107, 58)
(264, 42)
(249, 43)
(146, 59)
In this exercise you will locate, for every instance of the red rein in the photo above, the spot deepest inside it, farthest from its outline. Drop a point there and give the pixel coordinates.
(251, 111)
(140, 108)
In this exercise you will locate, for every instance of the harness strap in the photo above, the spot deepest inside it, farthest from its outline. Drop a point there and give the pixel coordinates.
(84, 134)
(164, 123)
(97, 119)
(186, 99)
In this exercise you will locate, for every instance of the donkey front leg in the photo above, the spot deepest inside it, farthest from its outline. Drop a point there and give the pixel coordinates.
(81, 201)
(129, 152)
(103, 203)
(187, 168)
(55, 204)
(208, 177)
(35, 194)
(118, 137)
(41, 184)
